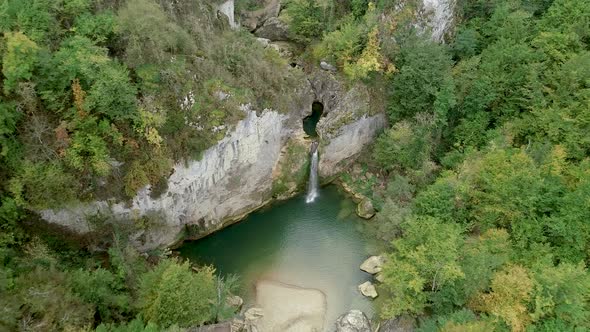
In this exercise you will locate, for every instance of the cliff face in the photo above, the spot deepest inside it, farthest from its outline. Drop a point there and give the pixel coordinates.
(239, 174)
(262, 158)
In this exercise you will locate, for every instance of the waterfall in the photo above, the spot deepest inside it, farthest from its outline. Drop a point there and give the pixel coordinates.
(312, 189)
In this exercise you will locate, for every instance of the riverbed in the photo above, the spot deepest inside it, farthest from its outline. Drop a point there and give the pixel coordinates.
(317, 245)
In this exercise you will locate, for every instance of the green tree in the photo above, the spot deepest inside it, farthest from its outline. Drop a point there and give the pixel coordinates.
(562, 293)
(424, 70)
(173, 294)
(307, 19)
(424, 260)
(19, 60)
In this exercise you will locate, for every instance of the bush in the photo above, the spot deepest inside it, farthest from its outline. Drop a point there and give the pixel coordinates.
(173, 293)
(307, 19)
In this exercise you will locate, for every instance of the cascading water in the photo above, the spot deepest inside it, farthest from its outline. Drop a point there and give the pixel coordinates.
(312, 189)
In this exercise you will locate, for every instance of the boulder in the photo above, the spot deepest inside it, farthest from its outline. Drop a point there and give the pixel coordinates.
(400, 324)
(326, 66)
(373, 264)
(353, 321)
(235, 301)
(252, 20)
(365, 209)
(368, 289)
(253, 314)
(273, 29)
(263, 41)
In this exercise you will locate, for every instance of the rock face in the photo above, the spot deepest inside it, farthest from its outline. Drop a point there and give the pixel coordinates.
(373, 264)
(227, 9)
(232, 179)
(365, 209)
(353, 321)
(252, 20)
(439, 17)
(349, 123)
(368, 289)
(238, 174)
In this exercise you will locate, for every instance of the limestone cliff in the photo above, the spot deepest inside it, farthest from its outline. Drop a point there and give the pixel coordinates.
(262, 158)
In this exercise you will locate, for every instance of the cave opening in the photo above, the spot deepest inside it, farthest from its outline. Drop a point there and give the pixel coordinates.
(310, 122)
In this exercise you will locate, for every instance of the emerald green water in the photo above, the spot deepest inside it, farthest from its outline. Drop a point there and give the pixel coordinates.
(317, 245)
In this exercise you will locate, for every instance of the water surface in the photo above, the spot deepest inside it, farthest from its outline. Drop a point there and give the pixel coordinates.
(317, 245)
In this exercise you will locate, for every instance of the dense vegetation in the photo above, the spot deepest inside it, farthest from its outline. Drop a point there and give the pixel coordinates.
(482, 180)
(99, 98)
(488, 161)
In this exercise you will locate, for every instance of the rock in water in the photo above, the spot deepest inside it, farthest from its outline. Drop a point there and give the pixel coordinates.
(365, 209)
(326, 66)
(289, 308)
(373, 264)
(353, 321)
(368, 289)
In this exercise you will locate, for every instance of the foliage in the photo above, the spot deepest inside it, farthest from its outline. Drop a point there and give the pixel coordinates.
(424, 72)
(172, 293)
(19, 60)
(307, 19)
(424, 260)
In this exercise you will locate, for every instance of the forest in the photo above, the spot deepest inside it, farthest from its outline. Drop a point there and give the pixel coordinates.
(485, 207)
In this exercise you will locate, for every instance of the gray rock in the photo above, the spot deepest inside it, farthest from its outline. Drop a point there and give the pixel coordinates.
(353, 321)
(263, 41)
(326, 66)
(273, 29)
(253, 314)
(254, 19)
(368, 289)
(400, 324)
(373, 264)
(235, 301)
(365, 209)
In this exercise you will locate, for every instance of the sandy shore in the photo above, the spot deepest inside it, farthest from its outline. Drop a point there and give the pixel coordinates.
(290, 308)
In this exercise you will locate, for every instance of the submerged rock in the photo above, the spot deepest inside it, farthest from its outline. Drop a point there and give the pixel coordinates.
(365, 209)
(373, 264)
(353, 321)
(368, 289)
(289, 308)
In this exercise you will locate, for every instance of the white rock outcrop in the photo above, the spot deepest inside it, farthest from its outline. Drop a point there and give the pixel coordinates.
(227, 9)
(232, 178)
(373, 264)
(439, 17)
(236, 176)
